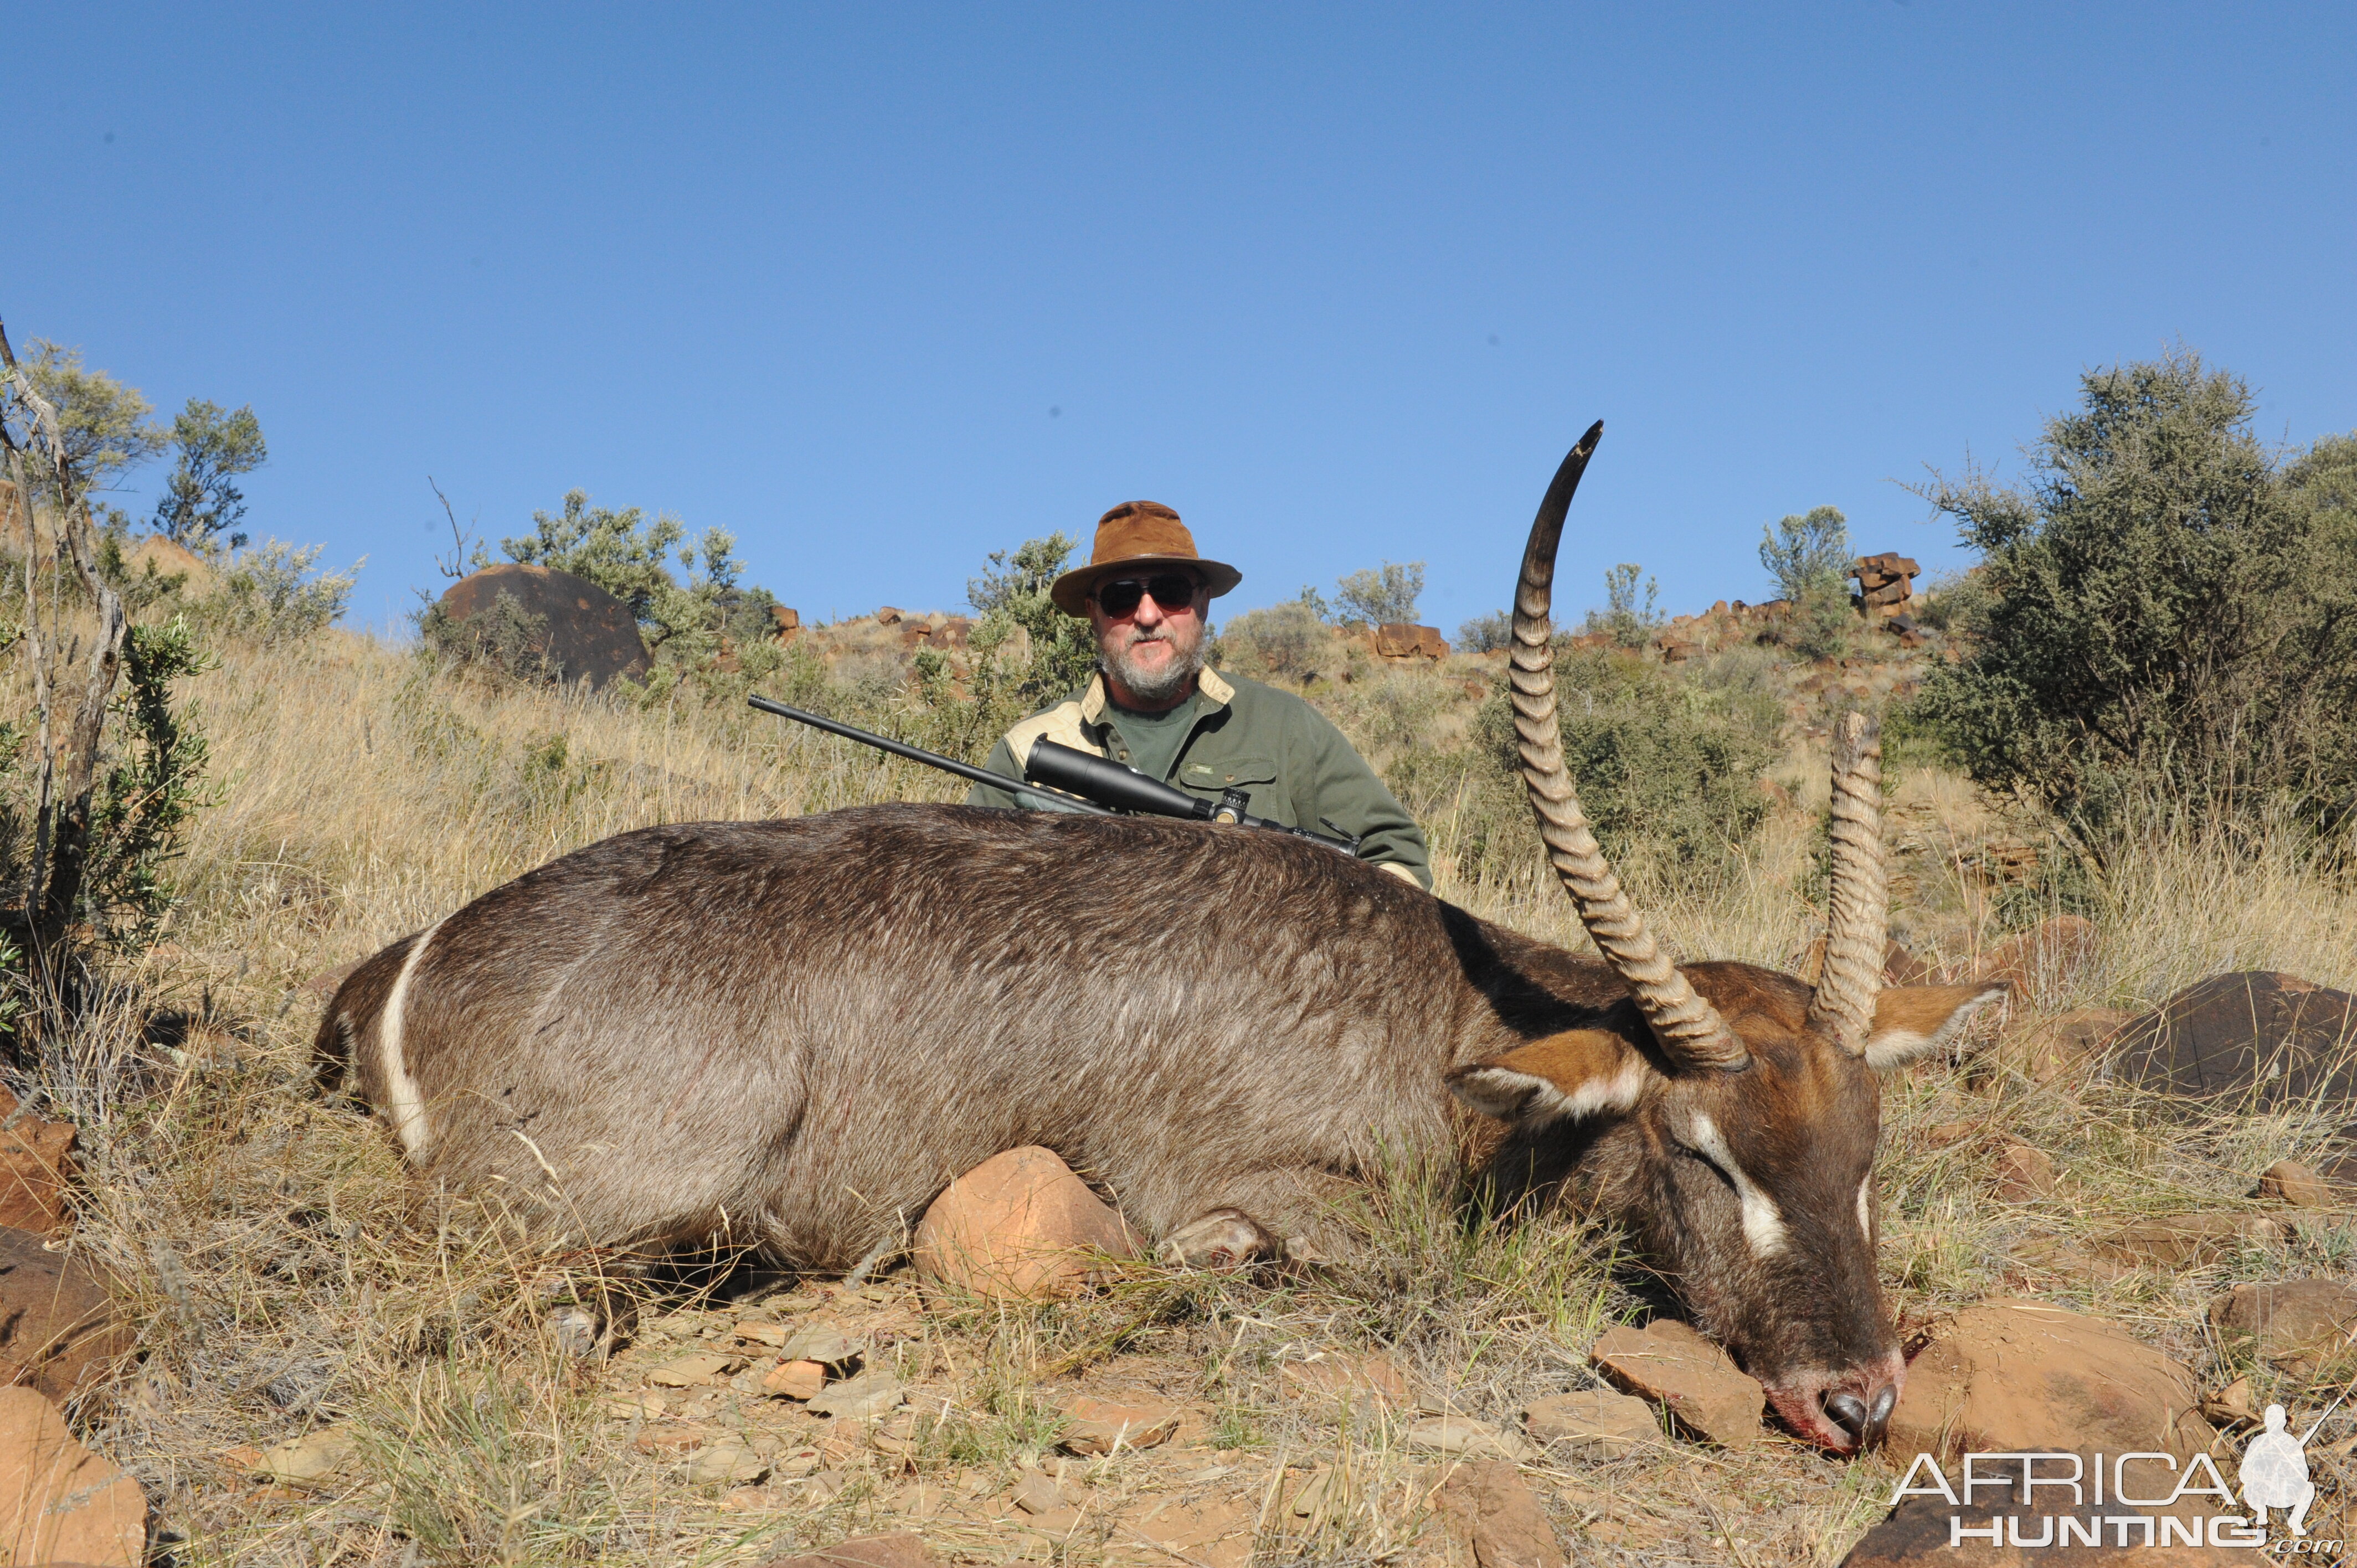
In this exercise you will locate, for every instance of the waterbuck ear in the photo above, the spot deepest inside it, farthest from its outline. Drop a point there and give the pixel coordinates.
(1580, 1072)
(1913, 1021)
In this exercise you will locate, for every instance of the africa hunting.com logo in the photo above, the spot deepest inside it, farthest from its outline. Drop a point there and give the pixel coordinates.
(2273, 1474)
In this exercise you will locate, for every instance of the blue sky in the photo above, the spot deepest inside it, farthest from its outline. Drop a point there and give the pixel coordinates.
(884, 289)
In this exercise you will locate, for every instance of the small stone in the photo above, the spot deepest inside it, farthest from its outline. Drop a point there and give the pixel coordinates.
(659, 1441)
(2230, 1406)
(795, 1379)
(642, 1404)
(307, 1460)
(1099, 1426)
(694, 1371)
(1948, 1134)
(1693, 1379)
(1018, 1226)
(1595, 1420)
(1355, 1377)
(2180, 1240)
(729, 1462)
(2286, 1318)
(904, 1550)
(823, 1343)
(1037, 1494)
(36, 1163)
(774, 1334)
(61, 1503)
(1463, 1434)
(2024, 1174)
(58, 1330)
(2302, 1186)
(1487, 1504)
(866, 1397)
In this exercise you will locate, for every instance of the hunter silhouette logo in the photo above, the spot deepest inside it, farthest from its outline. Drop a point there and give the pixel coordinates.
(2273, 1472)
(2087, 1504)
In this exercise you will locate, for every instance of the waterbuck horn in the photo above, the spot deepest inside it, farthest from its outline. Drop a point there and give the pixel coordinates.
(1860, 903)
(1689, 1028)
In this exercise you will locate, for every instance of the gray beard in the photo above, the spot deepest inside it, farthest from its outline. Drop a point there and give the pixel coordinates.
(1160, 685)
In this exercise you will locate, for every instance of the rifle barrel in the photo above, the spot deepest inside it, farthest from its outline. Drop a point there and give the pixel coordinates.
(929, 758)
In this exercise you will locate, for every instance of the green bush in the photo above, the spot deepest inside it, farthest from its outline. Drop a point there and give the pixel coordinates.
(1011, 597)
(1283, 641)
(274, 594)
(505, 641)
(2163, 611)
(1668, 766)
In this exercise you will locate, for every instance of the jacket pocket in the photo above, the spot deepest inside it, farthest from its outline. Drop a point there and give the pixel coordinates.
(1228, 770)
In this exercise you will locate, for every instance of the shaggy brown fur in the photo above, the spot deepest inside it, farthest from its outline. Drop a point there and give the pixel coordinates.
(794, 1034)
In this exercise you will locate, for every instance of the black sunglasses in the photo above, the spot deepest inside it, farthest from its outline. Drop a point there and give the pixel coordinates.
(1171, 590)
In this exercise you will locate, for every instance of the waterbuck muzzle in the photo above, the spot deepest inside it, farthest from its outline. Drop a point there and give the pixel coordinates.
(1745, 1106)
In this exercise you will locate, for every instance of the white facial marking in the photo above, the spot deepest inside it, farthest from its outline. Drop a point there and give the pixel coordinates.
(1763, 1222)
(1865, 1209)
(405, 1107)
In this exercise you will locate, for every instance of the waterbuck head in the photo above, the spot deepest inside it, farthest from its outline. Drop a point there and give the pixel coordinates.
(1728, 1113)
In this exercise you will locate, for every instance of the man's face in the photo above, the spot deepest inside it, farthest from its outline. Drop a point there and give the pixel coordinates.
(1151, 650)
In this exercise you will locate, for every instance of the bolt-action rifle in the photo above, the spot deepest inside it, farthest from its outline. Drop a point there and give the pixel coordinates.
(1073, 780)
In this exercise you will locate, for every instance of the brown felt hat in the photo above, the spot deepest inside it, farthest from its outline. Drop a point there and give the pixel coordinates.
(1136, 537)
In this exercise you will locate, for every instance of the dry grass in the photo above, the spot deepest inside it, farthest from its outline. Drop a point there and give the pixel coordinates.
(285, 1277)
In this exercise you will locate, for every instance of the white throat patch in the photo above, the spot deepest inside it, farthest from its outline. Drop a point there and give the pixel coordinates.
(1763, 1222)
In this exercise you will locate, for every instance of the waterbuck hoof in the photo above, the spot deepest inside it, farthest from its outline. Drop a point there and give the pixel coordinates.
(1223, 1239)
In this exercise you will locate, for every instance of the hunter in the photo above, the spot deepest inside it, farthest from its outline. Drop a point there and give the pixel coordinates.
(1154, 707)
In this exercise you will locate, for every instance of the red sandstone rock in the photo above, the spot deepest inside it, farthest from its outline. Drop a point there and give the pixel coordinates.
(1020, 1225)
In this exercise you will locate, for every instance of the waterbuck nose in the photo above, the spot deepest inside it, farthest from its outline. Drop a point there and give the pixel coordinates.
(1868, 1422)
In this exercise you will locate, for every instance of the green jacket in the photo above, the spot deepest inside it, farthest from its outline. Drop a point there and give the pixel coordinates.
(1297, 767)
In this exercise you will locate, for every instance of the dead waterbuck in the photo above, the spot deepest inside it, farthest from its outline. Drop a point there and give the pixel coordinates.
(794, 1034)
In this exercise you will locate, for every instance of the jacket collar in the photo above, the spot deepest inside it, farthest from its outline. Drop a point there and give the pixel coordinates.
(1215, 692)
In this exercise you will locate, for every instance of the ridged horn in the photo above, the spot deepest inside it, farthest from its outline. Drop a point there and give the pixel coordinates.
(1691, 1033)
(1858, 913)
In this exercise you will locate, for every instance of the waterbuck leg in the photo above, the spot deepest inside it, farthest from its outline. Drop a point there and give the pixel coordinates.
(1284, 1213)
(1223, 1239)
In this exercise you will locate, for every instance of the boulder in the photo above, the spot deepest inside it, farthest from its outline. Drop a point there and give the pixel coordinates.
(1400, 639)
(36, 1165)
(2253, 1041)
(591, 635)
(61, 1503)
(1018, 1226)
(1686, 1375)
(57, 1328)
(888, 616)
(2284, 1318)
(1487, 1504)
(905, 1549)
(786, 623)
(2015, 1376)
(2302, 1186)
(1594, 1421)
